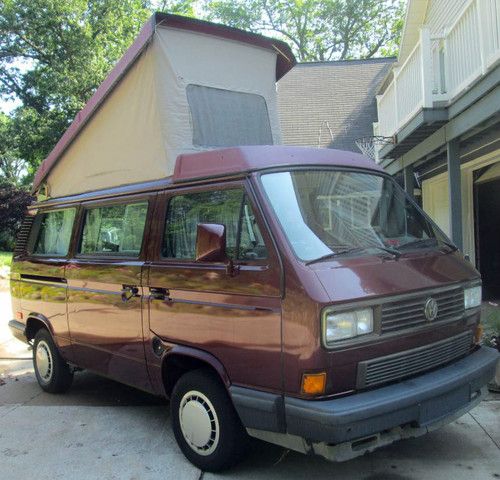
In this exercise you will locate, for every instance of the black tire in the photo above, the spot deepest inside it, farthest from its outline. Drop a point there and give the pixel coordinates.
(52, 372)
(222, 450)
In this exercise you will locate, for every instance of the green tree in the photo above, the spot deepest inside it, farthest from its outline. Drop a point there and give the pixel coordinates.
(319, 29)
(53, 55)
(11, 166)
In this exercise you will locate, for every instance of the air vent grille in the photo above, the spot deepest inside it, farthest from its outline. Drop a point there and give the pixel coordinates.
(23, 235)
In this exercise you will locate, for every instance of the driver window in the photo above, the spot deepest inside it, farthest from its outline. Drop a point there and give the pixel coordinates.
(229, 207)
(252, 245)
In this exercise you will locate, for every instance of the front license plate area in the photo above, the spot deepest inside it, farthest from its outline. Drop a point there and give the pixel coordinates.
(443, 406)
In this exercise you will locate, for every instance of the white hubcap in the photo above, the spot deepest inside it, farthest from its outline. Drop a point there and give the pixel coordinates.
(199, 422)
(44, 362)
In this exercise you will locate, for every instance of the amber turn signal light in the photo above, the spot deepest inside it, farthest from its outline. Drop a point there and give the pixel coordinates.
(314, 383)
(19, 315)
(478, 334)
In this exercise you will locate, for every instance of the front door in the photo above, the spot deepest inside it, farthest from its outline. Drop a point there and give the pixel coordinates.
(105, 292)
(234, 315)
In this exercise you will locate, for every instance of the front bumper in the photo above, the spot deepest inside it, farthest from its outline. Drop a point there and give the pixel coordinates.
(419, 401)
(18, 330)
(346, 427)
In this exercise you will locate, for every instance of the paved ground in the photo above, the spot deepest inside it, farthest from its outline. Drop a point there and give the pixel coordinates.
(103, 430)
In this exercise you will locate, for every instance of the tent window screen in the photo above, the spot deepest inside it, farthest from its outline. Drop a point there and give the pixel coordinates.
(224, 118)
(114, 230)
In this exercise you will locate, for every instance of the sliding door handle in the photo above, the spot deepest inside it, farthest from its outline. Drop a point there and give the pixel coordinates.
(157, 293)
(129, 291)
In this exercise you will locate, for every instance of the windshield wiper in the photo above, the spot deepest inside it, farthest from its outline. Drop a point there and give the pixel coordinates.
(450, 245)
(392, 251)
(428, 242)
(320, 259)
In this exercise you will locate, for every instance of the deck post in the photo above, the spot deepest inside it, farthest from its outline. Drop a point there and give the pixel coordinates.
(409, 180)
(455, 192)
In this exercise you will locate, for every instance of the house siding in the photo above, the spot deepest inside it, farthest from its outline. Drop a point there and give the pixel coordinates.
(441, 14)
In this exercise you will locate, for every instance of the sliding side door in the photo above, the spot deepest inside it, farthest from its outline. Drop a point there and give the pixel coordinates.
(104, 289)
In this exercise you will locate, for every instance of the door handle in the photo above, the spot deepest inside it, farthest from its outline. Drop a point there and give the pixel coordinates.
(158, 293)
(129, 291)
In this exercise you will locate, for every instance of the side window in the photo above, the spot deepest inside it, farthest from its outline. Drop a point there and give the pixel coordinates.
(226, 207)
(54, 232)
(114, 229)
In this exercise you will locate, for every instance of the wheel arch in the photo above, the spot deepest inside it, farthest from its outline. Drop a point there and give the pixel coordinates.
(180, 359)
(34, 323)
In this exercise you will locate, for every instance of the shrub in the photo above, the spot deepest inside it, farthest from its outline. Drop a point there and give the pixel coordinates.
(13, 204)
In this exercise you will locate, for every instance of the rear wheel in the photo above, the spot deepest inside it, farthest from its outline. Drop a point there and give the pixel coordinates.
(205, 423)
(52, 372)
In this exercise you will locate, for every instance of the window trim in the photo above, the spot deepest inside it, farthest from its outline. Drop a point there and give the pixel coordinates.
(84, 207)
(191, 262)
(35, 232)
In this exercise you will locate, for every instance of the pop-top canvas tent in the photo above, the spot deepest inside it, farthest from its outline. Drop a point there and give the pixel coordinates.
(183, 86)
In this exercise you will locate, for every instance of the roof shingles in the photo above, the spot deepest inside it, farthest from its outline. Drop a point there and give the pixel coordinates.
(330, 104)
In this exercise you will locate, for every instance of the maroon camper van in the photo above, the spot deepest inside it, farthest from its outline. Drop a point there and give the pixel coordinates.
(294, 295)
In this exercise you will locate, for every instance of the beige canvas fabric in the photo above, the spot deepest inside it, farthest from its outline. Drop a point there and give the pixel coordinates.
(145, 123)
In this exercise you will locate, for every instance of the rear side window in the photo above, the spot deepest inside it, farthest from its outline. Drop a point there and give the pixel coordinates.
(227, 207)
(54, 232)
(114, 229)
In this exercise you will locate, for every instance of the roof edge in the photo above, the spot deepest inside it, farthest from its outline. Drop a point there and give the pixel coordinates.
(350, 61)
(285, 61)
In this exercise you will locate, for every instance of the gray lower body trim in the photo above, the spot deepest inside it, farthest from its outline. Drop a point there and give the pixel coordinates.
(259, 410)
(17, 329)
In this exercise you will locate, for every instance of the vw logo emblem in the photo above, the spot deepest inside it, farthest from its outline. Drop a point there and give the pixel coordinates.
(430, 309)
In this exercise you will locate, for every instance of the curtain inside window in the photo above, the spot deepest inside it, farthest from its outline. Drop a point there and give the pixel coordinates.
(55, 232)
(115, 229)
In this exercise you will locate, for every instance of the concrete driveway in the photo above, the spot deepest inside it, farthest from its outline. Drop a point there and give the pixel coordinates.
(104, 430)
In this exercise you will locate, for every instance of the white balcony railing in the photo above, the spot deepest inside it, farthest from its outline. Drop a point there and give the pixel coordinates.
(438, 69)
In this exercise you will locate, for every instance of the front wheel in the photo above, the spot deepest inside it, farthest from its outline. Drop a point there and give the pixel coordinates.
(205, 423)
(52, 372)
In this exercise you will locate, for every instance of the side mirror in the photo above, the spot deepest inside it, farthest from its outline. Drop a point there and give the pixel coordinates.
(211, 242)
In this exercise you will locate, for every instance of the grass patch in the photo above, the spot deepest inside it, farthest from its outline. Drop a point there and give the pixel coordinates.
(490, 318)
(5, 259)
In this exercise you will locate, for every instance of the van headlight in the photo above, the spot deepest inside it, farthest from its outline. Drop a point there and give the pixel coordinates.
(346, 324)
(472, 297)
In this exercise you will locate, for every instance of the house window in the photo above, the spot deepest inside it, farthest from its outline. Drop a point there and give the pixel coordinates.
(54, 232)
(225, 118)
(114, 230)
(226, 207)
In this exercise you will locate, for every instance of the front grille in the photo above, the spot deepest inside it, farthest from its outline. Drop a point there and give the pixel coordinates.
(409, 313)
(411, 362)
(23, 235)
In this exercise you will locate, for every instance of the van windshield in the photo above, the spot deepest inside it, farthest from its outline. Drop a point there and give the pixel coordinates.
(327, 213)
